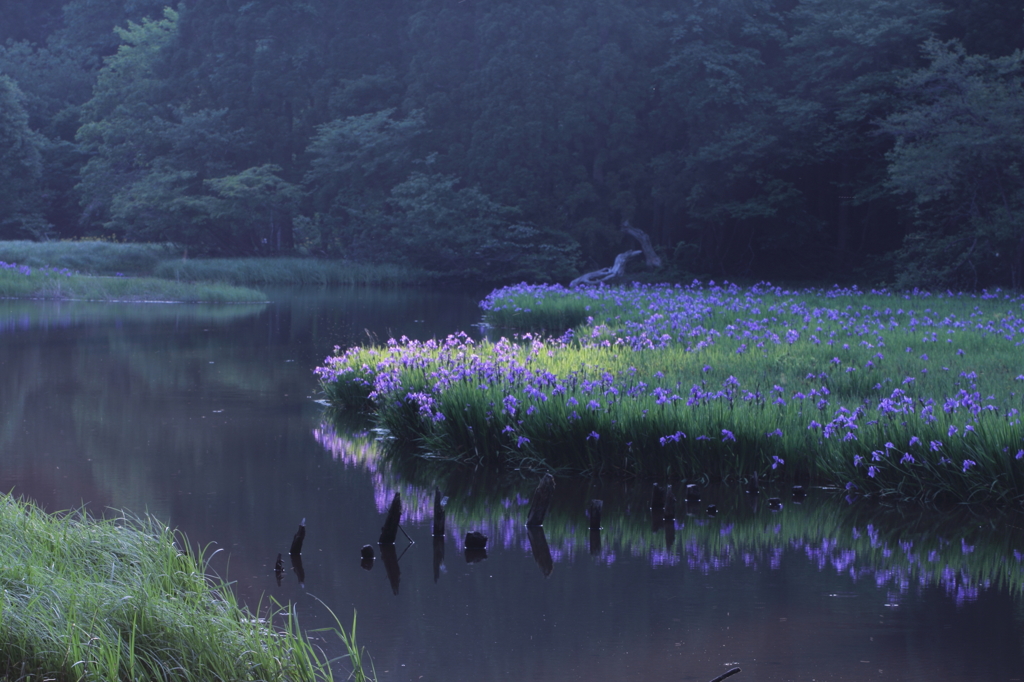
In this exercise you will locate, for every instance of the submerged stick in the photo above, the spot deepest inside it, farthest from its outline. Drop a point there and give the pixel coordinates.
(727, 673)
(300, 535)
(540, 501)
(389, 531)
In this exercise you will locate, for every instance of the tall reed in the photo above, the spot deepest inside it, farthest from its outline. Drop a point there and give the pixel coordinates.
(94, 257)
(126, 599)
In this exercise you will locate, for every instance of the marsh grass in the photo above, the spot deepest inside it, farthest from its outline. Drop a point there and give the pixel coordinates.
(912, 396)
(39, 283)
(94, 257)
(285, 271)
(86, 599)
(166, 261)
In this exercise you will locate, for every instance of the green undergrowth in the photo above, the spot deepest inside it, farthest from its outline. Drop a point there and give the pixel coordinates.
(123, 599)
(53, 285)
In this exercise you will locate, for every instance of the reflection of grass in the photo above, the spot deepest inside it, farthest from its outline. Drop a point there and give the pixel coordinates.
(896, 547)
(24, 315)
(48, 284)
(914, 396)
(85, 599)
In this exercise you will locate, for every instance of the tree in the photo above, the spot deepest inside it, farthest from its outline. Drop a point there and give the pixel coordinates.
(148, 152)
(844, 59)
(354, 163)
(461, 234)
(958, 156)
(258, 207)
(20, 168)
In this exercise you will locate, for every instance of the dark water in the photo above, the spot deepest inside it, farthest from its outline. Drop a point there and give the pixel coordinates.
(205, 417)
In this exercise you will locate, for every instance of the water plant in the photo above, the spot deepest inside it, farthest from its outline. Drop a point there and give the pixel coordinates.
(127, 599)
(913, 394)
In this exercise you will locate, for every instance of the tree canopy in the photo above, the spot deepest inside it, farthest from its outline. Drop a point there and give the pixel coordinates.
(496, 140)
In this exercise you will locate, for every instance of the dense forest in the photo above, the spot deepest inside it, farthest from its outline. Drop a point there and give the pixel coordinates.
(501, 140)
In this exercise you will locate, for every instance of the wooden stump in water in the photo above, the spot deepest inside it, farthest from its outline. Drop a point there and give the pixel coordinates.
(439, 504)
(657, 498)
(476, 547)
(476, 540)
(389, 531)
(540, 501)
(300, 572)
(594, 514)
(297, 539)
(670, 504)
(438, 556)
(390, 558)
(540, 549)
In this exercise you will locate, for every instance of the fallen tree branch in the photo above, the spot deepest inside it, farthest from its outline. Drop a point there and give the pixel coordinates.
(605, 274)
(653, 259)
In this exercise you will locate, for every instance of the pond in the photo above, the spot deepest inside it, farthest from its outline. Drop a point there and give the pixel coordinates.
(206, 418)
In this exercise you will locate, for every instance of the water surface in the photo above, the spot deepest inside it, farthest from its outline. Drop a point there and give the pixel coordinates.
(205, 417)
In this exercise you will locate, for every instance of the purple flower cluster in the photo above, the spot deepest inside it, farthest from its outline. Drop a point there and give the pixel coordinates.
(26, 270)
(606, 379)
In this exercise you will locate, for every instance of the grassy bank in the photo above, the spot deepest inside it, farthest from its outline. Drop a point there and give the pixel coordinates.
(915, 396)
(166, 261)
(116, 600)
(92, 257)
(286, 271)
(22, 281)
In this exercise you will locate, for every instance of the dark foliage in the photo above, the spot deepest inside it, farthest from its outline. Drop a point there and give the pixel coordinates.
(500, 140)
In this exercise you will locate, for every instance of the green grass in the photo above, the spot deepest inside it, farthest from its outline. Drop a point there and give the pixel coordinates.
(93, 257)
(51, 285)
(907, 396)
(86, 599)
(285, 271)
(166, 261)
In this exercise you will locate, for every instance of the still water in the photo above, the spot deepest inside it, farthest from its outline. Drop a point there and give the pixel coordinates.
(205, 417)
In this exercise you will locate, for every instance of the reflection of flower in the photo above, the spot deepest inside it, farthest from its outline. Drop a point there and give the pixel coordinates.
(703, 545)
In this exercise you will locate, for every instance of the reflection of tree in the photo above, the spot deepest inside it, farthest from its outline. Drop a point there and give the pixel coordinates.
(896, 548)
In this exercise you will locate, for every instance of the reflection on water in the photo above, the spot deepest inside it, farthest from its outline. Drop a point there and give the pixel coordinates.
(206, 418)
(894, 548)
